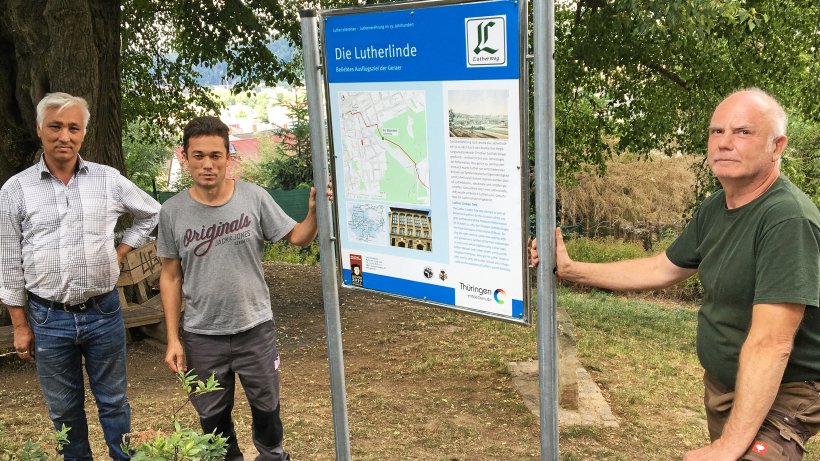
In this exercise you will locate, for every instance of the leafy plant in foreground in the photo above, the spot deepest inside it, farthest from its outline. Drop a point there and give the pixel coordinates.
(33, 450)
(183, 443)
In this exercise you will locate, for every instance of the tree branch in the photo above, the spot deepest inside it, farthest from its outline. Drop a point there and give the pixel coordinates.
(675, 78)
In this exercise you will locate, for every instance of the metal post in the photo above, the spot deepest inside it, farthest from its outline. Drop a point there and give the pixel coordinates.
(330, 282)
(543, 49)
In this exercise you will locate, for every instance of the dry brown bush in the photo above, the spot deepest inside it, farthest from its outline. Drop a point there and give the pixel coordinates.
(636, 200)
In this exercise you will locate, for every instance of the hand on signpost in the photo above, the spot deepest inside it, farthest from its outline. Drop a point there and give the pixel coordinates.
(562, 259)
(329, 189)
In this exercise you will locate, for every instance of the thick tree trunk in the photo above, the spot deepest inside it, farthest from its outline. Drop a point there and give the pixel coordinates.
(59, 45)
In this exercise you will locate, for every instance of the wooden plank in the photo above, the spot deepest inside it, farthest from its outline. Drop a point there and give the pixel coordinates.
(137, 316)
(139, 265)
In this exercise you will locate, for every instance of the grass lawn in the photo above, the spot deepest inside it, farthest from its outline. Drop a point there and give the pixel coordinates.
(642, 355)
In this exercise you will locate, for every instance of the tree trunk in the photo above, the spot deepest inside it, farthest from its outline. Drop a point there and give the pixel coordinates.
(71, 46)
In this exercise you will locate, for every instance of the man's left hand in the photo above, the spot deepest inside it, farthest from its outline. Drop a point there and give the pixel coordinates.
(312, 199)
(122, 250)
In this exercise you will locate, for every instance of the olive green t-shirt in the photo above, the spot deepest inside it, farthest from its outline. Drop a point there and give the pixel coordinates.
(767, 251)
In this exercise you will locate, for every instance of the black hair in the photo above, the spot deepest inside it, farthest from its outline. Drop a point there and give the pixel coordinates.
(205, 126)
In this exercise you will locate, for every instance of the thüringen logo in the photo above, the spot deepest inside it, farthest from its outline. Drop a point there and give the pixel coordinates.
(486, 41)
(499, 296)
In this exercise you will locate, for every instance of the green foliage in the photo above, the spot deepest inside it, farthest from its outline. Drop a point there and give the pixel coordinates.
(183, 181)
(292, 168)
(284, 252)
(260, 173)
(163, 43)
(287, 164)
(34, 450)
(802, 160)
(194, 387)
(145, 155)
(603, 250)
(182, 443)
(644, 75)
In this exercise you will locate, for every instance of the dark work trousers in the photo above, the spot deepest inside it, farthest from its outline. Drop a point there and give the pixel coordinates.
(252, 355)
(792, 420)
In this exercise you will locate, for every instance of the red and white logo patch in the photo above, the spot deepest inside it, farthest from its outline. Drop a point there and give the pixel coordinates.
(759, 447)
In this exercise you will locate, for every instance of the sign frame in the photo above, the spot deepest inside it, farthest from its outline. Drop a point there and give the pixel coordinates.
(347, 277)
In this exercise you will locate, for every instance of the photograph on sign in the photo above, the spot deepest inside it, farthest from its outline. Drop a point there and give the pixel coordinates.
(427, 121)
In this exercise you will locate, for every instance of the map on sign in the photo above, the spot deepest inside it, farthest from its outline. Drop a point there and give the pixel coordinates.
(384, 138)
(367, 223)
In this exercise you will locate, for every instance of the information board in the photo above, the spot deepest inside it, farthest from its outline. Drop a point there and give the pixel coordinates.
(427, 123)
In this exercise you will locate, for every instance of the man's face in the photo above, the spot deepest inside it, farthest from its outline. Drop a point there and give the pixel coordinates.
(207, 160)
(62, 134)
(742, 147)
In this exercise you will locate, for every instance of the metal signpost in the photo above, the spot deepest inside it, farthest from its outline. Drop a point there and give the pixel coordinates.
(544, 51)
(427, 110)
(327, 247)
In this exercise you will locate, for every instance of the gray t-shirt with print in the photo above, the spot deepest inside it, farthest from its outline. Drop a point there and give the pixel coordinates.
(220, 250)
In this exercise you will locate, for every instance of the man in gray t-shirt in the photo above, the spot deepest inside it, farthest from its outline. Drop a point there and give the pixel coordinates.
(211, 239)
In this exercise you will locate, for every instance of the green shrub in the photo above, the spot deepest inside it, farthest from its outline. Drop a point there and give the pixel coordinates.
(178, 444)
(603, 250)
(282, 251)
(182, 443)
(34, 450)
(801, 163)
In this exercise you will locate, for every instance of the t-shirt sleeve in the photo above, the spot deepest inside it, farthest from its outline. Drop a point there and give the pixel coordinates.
(275, 222)
(166, 245)
(788, 264)
(683, 252)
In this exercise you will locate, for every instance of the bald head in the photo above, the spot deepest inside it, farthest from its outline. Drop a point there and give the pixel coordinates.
(769, 108)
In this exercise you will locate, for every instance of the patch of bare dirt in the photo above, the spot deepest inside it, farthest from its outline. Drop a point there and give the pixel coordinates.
(411, 394)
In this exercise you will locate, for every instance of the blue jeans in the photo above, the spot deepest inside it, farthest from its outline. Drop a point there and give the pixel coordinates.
(62, 339)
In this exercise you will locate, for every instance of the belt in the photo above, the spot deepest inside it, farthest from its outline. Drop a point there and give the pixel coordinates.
(77, 308)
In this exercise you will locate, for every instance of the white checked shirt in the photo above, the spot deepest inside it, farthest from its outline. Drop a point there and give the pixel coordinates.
(57, 240)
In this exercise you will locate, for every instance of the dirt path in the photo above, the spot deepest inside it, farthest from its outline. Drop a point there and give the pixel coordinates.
(412, 393)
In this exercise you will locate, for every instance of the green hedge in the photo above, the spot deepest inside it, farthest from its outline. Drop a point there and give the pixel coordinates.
(293, 202)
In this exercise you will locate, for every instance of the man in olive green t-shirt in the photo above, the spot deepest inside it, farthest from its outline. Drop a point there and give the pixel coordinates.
(756, 247)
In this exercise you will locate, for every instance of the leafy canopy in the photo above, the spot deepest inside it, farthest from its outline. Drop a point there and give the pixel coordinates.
(163, 42)
(643, 75)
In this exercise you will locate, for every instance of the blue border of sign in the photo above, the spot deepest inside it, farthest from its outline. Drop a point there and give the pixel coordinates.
(420, 44)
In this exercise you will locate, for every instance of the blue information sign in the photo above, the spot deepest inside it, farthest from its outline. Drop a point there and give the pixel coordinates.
(427, 122)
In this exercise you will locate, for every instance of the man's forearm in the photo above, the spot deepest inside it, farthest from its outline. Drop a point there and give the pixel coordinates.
(171, 298)
(758, 380)
(18, 316)
(631, 275)
(304, 232)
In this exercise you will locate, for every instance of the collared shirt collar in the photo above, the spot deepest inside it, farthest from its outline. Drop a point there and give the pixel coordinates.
(81, 166)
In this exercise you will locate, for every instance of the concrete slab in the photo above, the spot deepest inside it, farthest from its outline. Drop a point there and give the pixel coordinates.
(593, 409)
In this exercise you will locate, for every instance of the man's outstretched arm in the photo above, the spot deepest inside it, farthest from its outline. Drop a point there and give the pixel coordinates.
(640, 274)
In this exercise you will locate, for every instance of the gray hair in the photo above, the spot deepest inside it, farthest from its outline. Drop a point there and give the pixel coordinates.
(61, 101)
(777, 114)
